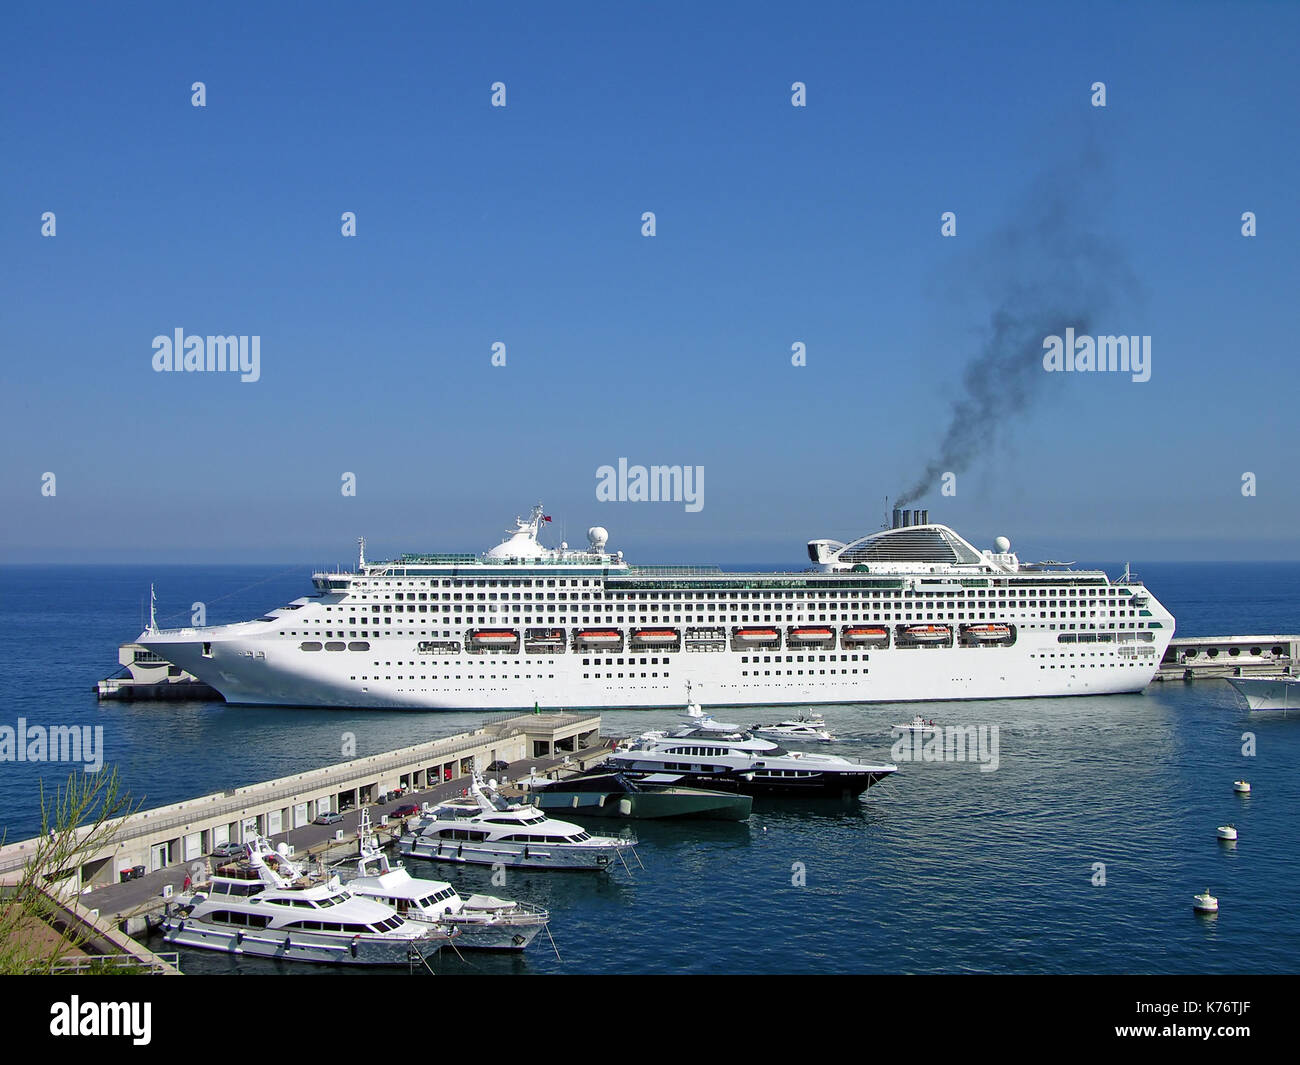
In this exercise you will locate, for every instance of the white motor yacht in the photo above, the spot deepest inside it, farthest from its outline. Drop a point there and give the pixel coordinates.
(712, 755)
(266, 905)
(481, 922)
(810, 729)
(482, 828)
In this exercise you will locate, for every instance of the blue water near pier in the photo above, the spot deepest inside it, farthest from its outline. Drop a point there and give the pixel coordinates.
(944, 869)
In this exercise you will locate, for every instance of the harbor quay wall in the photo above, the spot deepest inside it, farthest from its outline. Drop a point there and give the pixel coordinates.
(1197, 657)
(187, 831)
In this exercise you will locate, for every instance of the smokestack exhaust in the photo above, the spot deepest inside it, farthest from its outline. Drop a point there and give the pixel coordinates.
(898, 518)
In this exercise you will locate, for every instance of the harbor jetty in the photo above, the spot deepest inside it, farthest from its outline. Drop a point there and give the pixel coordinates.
(1206, 657)
(133, 872)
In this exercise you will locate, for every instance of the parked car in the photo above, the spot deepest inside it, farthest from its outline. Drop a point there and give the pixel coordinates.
(227, 850)
(407, 809)
(498, 766)
(330, 818)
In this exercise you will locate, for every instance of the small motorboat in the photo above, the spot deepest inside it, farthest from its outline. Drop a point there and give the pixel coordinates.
(1280, 691)
(918, 724)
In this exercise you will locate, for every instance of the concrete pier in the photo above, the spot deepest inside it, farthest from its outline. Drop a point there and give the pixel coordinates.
(186, 832)
(1200, 657)
(149, 677)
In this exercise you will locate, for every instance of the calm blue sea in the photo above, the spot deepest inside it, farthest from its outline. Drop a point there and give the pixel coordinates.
(946, 869)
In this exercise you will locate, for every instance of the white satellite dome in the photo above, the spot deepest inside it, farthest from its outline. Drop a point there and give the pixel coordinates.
(1002, 544)
(597, 537)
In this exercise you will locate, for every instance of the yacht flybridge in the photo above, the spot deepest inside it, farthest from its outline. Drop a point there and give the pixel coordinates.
(911, 612)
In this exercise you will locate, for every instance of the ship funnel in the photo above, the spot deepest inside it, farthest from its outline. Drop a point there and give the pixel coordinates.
(898, 519)
(922, 517)
(907, 518)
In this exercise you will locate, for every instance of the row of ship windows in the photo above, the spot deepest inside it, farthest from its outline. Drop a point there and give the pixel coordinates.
(1000, 593)
(719, 604)
(799, 672)
(1093, 665)
(448, 676)
(745, 619)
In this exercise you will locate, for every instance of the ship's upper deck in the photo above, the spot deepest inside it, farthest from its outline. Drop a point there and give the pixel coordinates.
(886, 559)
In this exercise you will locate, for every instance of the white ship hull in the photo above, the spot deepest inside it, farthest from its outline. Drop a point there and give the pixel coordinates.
(405, 635)
(267, 672)
(1269, 693)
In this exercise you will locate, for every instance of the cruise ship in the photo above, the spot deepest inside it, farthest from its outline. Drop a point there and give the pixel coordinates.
(908, 612)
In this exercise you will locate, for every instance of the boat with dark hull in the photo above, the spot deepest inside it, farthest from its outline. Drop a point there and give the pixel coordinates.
(605, 794)
(721, 757)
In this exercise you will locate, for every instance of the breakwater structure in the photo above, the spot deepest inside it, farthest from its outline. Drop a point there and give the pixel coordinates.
(1206, 657)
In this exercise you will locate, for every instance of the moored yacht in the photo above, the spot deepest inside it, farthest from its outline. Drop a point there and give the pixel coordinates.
(1278, 692)
(718, 756)
(598, 793)
(480, 922)
(267, 905)
(809, 729)
(482, 828)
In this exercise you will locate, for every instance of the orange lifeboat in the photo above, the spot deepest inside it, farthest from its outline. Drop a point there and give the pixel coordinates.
(873, 634)
(655, 635)
(988, 632)
(598, 636)
(927, 633)
(811, 634)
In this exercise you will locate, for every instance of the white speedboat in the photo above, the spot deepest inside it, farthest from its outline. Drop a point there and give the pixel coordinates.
(1278, 692)
(268, 906)
(481, 828)
(811, 728)
(481, 922)
(918, 724)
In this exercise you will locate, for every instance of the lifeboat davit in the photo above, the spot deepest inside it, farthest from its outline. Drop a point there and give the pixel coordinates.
(927, 633)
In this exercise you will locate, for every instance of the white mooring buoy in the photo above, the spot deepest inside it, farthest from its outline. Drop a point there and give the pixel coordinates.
(1205, 903)
(1227, 832)
(1241, 787)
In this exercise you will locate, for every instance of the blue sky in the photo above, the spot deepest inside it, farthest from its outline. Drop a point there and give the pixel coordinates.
(522, 225)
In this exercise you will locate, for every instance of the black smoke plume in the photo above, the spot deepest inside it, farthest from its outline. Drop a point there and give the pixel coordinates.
(1048, 269)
